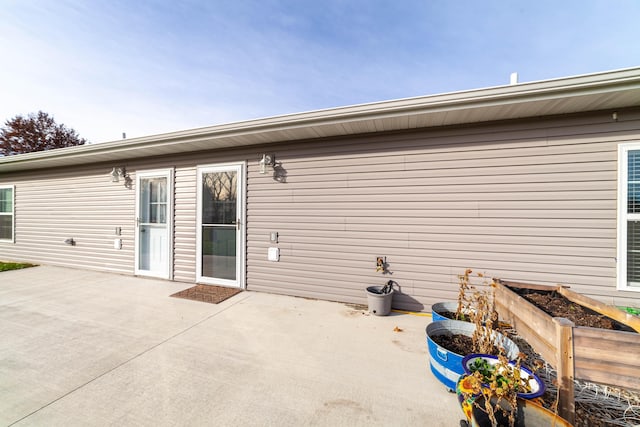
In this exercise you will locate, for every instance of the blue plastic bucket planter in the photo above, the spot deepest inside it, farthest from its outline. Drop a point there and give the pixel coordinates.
(446, 365)
(439, 308)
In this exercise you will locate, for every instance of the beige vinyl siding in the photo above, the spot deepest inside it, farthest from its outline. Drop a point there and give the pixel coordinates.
(185, 224)
(79, 203)
(528, 201)
(83, 203)
(531, 200)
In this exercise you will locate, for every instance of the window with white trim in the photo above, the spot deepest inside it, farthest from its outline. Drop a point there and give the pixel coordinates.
(629, 217)
(7, 213)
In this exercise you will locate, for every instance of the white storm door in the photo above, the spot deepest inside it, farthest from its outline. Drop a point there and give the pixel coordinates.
(153, 223)
(220, 237)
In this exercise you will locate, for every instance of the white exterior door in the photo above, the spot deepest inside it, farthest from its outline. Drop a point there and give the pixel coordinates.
(153, 223)
(220, 237)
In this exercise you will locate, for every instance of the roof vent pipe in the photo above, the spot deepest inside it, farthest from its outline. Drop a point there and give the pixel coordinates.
(513, 79)
(124, 135)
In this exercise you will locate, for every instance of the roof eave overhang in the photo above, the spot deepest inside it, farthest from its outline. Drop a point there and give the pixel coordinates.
(610, 90)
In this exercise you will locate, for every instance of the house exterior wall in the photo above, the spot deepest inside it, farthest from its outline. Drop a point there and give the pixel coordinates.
(531, 200)
(55, 205)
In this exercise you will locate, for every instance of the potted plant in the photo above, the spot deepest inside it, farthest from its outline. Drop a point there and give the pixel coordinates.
(497, 392)
(449, 341)
(501, 373)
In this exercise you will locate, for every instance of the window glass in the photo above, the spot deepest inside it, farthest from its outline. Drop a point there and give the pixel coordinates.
(219, 252)
(6, 200)
(633, 252)
(153, 199)
(6, 213)
(219, 197)
(6, 227)
(633, 182)
(630, 221)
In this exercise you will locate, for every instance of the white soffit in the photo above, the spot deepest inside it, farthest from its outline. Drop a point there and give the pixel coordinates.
(600, 91)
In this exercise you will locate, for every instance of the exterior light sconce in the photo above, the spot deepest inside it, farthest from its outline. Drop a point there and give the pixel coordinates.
(118, 173)
(267, 160)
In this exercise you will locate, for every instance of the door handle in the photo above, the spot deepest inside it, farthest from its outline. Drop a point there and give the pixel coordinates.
(238, 224)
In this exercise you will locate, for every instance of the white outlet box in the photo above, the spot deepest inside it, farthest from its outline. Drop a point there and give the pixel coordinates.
(273, 254)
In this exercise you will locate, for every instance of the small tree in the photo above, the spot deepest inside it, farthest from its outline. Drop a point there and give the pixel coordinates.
(36, 132)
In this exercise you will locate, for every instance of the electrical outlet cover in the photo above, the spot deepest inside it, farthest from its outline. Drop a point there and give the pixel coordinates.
(273, 254)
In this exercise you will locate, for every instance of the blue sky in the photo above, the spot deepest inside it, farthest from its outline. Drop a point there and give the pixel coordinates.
(147, 67)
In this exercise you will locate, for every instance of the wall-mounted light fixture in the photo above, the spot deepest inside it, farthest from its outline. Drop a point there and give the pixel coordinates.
(267, 160)
(118, 173)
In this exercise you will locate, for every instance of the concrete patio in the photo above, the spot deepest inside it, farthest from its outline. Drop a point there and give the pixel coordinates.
(82, 348)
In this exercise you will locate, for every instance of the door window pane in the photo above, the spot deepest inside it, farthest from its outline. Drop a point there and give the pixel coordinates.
(219, 197)
(153, 200)
(219, 252)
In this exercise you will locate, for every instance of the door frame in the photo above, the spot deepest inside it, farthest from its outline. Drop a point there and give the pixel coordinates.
(155, 173)
(240, 167)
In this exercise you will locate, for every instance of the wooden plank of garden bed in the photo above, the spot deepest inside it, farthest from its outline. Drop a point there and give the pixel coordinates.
(608, 310)
(532, 286)
(551, 338)
(607, 357)
(565, 368)
(604, 356)
(597, 306)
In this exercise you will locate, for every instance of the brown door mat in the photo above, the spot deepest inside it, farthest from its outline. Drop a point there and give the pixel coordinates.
(207, 293)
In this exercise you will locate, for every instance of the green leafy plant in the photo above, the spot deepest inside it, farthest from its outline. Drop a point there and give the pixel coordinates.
(631, 310)
(499, 383)
(6, 266)
(501, 375)
(484, 368)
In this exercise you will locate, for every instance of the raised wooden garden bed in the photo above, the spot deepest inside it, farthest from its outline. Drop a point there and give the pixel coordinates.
(610, 357)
